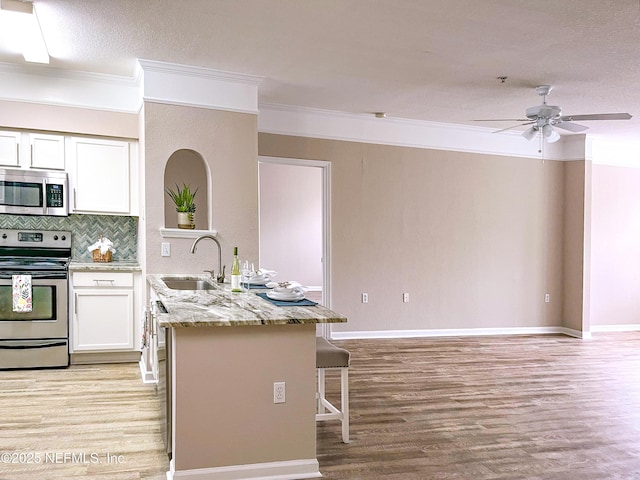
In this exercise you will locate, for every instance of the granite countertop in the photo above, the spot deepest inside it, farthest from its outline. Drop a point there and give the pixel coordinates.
(222, 308)
(115, 266)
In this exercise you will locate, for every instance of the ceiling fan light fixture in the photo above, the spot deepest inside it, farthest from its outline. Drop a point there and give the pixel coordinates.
(550, 133)
(530, 133)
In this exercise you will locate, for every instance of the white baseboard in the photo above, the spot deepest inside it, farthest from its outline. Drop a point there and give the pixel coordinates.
(147, 376)
(287, 470)
(459, 332)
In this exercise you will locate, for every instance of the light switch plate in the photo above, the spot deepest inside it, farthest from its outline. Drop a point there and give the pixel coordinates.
(165, 249)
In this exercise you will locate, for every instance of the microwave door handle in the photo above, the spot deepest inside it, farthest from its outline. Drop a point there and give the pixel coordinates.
(44, 196)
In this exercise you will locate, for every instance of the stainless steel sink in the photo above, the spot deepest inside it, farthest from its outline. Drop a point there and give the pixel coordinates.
(188, 284)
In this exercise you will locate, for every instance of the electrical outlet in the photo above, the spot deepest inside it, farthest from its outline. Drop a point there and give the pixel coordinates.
(405, 297)
(279, 392)
(165, 249)
(547, 298)
(365, 298)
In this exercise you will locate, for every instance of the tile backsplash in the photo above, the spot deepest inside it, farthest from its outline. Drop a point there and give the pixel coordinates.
(85, 231)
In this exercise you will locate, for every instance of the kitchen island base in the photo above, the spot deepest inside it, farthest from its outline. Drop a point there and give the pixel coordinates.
(225, 424)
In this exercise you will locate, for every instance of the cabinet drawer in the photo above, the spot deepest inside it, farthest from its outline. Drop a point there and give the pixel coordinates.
(102, 279)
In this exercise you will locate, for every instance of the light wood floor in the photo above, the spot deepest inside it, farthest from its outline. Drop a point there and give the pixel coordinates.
(485, 408)
(90, 411)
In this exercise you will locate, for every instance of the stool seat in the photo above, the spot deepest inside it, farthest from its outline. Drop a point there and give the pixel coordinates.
(330, 356)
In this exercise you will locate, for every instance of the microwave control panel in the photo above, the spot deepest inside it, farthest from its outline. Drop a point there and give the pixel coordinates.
(55, 195)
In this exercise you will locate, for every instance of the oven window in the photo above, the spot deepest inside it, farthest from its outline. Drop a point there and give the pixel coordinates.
(22, 194)
(43, 301)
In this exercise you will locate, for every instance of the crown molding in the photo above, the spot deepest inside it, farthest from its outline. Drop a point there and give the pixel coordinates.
(152, 81)
(192, 86)
(53, 86)
(333, 125)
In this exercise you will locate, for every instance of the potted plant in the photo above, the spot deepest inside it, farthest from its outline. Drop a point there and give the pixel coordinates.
(185, 206)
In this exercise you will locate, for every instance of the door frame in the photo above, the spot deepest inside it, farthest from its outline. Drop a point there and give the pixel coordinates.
(326, 221)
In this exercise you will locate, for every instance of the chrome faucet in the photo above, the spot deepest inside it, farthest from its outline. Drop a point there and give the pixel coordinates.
(220, 277)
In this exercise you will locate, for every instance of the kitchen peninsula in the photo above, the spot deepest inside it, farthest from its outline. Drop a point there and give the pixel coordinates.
(226, 352)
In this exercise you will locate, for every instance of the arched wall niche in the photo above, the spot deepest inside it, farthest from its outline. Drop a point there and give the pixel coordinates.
(187, 167)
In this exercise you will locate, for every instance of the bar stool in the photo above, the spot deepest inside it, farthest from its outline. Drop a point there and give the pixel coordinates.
(328, 356)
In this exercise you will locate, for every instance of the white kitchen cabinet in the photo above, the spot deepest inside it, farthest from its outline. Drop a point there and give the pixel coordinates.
(32, 150)
(9, 148)
(102, 176)
(47, 151)
(103, 311)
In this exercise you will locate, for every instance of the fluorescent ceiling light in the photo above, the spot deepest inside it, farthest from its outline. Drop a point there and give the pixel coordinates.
(21, 22)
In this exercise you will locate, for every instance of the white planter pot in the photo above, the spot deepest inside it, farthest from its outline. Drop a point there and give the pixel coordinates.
(187, 220)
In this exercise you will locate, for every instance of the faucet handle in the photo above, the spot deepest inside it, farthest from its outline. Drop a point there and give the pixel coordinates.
(220, 277)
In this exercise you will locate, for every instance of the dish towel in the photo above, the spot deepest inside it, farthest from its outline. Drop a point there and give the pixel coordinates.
(144, 341)
(22, 295)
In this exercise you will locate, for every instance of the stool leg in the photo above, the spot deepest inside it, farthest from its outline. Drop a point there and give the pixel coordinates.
(344, 403)
(320, 389)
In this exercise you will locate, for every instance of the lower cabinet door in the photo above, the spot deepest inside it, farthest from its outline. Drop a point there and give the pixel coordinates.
(103, 320)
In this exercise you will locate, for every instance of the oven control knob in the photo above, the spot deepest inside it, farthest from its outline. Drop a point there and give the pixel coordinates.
(55, 237)
(64, 237)
(4, 235)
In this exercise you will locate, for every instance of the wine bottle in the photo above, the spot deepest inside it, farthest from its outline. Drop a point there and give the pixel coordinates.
(235, 272)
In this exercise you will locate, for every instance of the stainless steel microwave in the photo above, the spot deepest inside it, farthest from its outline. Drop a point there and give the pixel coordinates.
(33, 192)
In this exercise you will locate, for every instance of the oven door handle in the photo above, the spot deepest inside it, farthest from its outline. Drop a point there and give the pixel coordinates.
(62, 275)
(42, 344)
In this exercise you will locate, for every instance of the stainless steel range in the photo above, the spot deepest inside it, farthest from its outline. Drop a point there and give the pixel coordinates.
(34, 285)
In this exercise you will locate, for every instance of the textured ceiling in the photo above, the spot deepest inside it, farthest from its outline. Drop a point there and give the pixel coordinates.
(431, 60)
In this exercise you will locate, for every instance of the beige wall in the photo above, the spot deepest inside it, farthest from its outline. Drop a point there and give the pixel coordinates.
(227, 142)
(36, 116)
(476, 240)
(615, 246)
(467, 275)
(574, 245)
(230, 419)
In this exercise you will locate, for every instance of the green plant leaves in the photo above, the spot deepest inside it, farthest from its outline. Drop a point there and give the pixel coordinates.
(183, 198)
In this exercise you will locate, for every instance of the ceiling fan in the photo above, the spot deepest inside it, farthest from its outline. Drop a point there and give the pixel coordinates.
(543, 118)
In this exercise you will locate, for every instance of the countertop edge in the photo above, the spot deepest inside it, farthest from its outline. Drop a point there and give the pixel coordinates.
(115, 266)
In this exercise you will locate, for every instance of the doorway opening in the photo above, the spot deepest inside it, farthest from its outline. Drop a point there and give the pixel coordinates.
(294, 217)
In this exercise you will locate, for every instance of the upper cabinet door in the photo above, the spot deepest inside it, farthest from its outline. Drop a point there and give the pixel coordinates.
(99, 175)
(47, 151)
(9, 146)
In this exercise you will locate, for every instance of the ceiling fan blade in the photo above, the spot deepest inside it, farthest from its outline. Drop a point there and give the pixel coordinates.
(503, 120)
(572, 127)
(597, 116)
(513, 126)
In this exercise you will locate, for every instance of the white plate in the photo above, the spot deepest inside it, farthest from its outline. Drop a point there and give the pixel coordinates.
(258, 281)
(286, 294)
(266, 273)
(285, 297)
